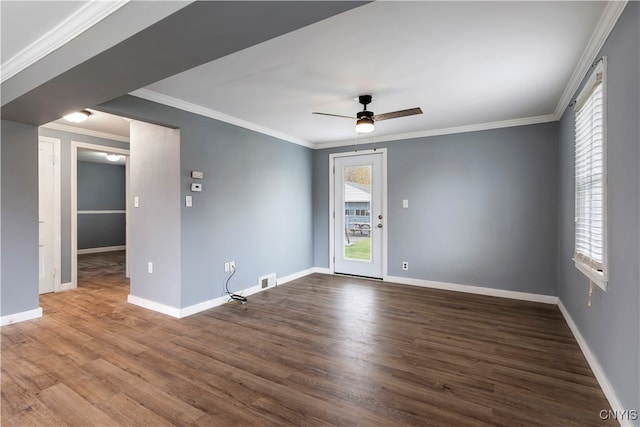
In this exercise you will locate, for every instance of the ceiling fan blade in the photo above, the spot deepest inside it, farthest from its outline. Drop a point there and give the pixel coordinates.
(334, 115)
(395, 114)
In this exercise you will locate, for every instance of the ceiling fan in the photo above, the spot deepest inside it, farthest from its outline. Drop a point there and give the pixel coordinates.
(365, 119)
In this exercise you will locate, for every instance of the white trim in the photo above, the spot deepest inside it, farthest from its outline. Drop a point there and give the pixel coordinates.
(57, 209)
(101, 249)
(385, 238)
(321, 270)
(179, 313)
(21, 317)
(595, 366)
(443, 131)
(87, 132)
(121, 211)
(81, 20)
(294, 276)
(160, 98)
(608, 20)
(65, 287)
(154, 306)
(470, 289)
(74, 198)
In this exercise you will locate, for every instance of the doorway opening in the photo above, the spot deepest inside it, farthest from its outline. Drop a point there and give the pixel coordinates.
(99, 212)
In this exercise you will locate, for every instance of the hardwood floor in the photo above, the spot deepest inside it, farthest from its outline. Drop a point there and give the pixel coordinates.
(323, 350)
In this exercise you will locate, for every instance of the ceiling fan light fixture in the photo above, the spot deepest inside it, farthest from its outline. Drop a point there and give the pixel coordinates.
(365, 125)
(78, 116)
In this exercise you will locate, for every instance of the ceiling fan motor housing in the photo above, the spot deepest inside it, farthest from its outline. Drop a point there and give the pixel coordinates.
(365, 100)
(365, 113)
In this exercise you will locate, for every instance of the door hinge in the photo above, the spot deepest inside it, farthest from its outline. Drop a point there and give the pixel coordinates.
(334, 214)
(334, 260)
(54, 272)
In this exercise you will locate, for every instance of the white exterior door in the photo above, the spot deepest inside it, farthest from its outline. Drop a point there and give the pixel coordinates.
(359, 215)
(46, 215)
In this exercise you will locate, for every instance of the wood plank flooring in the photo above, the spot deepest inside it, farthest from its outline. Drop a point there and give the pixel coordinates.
(323, 350)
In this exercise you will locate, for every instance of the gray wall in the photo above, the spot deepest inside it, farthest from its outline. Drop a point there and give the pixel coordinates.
(65, 188)
(101, 187)
(482, 208)
(255, 207)
(155, 224)
(611, 325)
(19, 213)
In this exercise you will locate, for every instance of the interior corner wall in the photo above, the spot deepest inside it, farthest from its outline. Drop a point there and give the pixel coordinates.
(611, 326)
(482, 208)
(65, 187)
(154, 160)
(19, 212)
(254, 208)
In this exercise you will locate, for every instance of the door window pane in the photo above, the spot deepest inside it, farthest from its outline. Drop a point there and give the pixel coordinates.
(357, 221)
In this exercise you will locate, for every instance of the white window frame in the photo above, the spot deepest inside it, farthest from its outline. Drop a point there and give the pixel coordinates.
(596, 271)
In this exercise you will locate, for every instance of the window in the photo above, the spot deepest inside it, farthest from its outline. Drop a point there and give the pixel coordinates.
(590, 179)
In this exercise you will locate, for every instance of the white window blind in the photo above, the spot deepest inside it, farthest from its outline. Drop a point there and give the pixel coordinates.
(590, 179)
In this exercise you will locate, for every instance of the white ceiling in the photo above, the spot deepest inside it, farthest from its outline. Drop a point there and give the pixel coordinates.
(465, 64)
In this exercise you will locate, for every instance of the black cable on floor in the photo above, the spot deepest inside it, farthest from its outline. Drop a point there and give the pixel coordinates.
(233, 296)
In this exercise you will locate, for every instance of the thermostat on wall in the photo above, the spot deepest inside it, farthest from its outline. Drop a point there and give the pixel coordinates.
(197, 174)
(196, 186)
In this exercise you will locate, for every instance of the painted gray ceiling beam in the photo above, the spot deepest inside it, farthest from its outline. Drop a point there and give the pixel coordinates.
(198, 33)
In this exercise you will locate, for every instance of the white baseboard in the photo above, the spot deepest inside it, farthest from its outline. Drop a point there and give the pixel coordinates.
(21, 317)
(64, 287)
(321, 270)
(155, 306)
(523, 296)
(102, 249)
(206, 305)
(202, 306)
(291, 277)
(605, 385)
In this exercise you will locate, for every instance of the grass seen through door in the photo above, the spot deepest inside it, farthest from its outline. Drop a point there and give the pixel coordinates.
(360, 250)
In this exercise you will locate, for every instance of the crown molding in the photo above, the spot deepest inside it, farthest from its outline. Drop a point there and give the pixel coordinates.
(608, 20)
(80, 21)
(443, 131)
(88, 132)
(153, 96)
(170, 101)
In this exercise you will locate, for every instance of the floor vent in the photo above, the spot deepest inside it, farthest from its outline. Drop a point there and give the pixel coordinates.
(267, 280)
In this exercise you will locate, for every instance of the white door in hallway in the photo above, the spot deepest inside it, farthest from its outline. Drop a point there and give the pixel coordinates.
(359, 213)
(46, 215)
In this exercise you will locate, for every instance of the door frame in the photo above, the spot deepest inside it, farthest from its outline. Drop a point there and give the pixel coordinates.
(57, 211)
(74, 201)
(332, 221)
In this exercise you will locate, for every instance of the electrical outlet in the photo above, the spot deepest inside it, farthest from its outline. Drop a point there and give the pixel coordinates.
(226, 267)
(405, 265)
(232, 264)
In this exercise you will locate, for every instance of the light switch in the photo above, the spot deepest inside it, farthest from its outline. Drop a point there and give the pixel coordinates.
(188, 201)
(405, 204)
(197, 174)
(136, 202)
